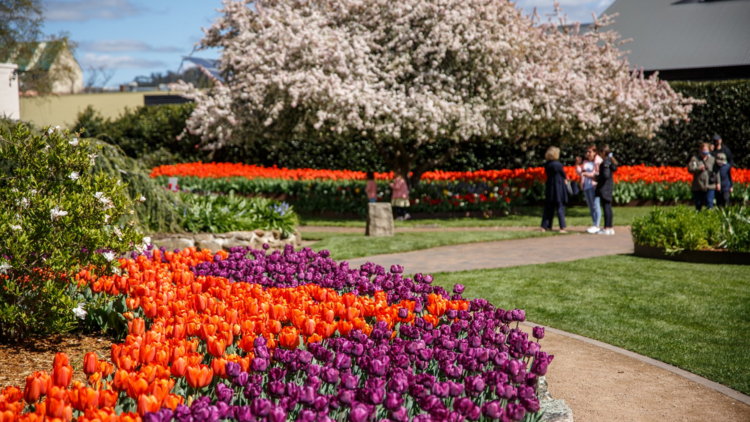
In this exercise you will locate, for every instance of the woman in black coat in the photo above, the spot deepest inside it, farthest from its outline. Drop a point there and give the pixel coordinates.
(605, 186)
(555, 191)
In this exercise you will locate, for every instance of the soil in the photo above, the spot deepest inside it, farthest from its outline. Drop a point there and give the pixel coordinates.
(602, 385)
(17, 361)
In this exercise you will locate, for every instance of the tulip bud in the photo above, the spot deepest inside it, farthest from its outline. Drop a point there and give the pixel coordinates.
(90, 362)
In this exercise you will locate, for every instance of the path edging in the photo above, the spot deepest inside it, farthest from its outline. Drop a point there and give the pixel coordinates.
(645, 359)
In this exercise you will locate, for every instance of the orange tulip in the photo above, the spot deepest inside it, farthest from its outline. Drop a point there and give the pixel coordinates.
(62, 375)
(161, 388)
(108, 398)
(90, 361)
(104, 368)
(56, 404)
(121, 380)
(345, 327)
(137, 327)
(33, 389)
(277, 312)
(148, 404)
(289, 338)
(218, 365)
(61, 359)
(216, 346)
(308, 328)
(173, 400)
(83, 398)
(199, 376)
(274, 326)
(137, 386)
(178, 367)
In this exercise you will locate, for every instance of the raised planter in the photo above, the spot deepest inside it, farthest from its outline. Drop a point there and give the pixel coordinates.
(697, 257)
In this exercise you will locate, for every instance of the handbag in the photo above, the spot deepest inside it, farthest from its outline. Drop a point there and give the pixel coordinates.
(572, 188)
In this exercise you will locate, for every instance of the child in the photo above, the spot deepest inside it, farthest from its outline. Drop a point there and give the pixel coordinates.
(724, 186)
(372, 187)
(400, 198)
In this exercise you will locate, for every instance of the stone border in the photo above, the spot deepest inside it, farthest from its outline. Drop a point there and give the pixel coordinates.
(736, 395)
(696, 257)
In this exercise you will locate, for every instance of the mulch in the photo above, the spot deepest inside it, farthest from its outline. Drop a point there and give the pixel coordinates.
(19, 360)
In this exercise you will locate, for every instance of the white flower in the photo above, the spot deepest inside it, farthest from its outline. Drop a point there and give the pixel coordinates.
(98, 195)
(57, 127)
(4, 267)
(56, 213)
(142, 199)
(147, 240)
(74, 142)
(80, 312)
(106, 218)
(33, 192)
(24, 203)
(50, 130)
(118, 233)
(92, 157)
(109, 256)
(106, 202)
(46, 148)
(74, 175)
(15, 227)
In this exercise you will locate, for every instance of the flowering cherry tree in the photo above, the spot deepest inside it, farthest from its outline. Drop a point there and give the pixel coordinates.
(409, 73)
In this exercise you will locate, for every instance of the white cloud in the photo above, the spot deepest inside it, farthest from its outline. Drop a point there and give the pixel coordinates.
(117, 62)
(118, 46)
(82, 10)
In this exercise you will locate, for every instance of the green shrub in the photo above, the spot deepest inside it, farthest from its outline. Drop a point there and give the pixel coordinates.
(56, 218)
(226, 213)
(159, 212)
(683, 228)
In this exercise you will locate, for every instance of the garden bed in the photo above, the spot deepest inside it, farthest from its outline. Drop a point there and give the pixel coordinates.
(697, 257)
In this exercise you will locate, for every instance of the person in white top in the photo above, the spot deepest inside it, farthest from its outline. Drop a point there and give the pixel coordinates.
(588, 169)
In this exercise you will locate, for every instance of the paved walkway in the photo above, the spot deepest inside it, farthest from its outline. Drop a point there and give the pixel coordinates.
(506, 253)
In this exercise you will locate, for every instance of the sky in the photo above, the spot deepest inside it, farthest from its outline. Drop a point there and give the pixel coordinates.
(137, 37)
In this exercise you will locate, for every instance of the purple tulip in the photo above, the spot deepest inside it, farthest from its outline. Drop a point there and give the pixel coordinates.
(493, 410)
(259, 365)
(393, 401)
(458, 289)
(307, 415)
(515, 411)
(463, 405)
(359, 413)
(403, 313)
(349, 381)
(346, 396)
(400, 415)
(330, 376)
(261, 407)
(224, 393)
(342, 361)
(538, 332)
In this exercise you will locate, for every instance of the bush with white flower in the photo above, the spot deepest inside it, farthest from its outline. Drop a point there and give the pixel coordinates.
(56, 217)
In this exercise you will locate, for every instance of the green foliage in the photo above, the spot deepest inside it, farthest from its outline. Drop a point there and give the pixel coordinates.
(56, 217)
(146, 133)
(158, 213)
(226, 213)
(682, 228)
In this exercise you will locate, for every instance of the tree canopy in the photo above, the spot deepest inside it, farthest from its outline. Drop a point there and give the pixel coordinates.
(412, 73)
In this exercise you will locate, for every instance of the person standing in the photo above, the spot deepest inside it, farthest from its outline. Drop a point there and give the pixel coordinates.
(587, 170)
(720, 148)
(605, 187)
(704, 179)
(400, 198)
(555, 191)
(724, 187)
(372, 188)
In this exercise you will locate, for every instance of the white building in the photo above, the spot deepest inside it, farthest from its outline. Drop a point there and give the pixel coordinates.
(9, 106)
(53, 57)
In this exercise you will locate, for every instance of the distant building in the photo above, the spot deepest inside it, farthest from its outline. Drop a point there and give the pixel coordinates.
(686, 39)
(50, 58)
(9, 106)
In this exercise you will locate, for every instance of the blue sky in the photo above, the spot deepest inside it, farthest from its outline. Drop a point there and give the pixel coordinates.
(138, 37)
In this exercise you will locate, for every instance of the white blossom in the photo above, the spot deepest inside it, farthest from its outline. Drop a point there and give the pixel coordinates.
(79, 311)
(15, 227)
(4, 267)
(106, 202)
(142, 199)
(74, 175)
(92, 158)
(109, 256)
(73, 142)
(56, 213)
(106, 218)
(147, 240)
(420, 70)
(118, 232)
(98, 195)
(50, 130)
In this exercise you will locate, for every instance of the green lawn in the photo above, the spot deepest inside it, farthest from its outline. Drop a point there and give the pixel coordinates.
(694, 316)
(526, 217)
(350, 245)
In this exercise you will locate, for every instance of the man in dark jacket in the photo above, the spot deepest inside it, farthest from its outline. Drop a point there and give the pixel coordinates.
(720, 148)
(705, 180)
(724, 189)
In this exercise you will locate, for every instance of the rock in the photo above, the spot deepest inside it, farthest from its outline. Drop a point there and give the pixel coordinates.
(212, 244)
(172, 243)
(379, 219)
(554, 410)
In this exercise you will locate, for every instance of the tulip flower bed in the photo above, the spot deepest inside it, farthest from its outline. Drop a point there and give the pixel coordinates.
(344, 191)
(251, 336)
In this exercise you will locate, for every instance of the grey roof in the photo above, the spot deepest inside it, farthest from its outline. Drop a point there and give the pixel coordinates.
(673, 34)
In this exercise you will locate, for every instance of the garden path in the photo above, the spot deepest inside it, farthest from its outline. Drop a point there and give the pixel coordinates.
(507, 253)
